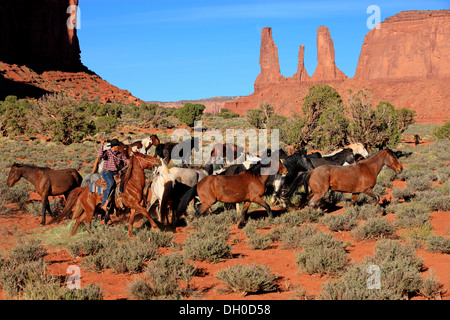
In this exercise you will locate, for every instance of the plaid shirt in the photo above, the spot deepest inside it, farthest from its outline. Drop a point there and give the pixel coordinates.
(111, 159)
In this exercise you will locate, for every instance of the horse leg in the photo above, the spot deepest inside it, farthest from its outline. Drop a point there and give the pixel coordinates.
(372, 194)
(141, 210)
(262, 203)
(77, 223)
(45, 207)
(202, 209)
(130, 222)
(354, 198)
(244, 215)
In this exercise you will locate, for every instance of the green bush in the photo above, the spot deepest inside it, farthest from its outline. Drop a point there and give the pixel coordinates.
(190, 113)
(442, 132)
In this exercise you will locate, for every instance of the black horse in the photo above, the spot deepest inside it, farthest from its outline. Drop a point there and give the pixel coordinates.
(177, 150)
(338, 159)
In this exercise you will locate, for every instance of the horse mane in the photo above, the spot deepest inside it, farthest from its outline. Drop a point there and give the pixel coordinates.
(255, 169)
(127, 176)
(26, 165)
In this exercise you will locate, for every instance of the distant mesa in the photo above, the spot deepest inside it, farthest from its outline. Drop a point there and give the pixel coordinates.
(405, 62)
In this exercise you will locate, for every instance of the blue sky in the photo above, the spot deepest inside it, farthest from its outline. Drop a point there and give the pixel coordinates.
(169, 50)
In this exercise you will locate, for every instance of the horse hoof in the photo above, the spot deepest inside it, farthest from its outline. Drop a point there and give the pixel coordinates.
(241, 225)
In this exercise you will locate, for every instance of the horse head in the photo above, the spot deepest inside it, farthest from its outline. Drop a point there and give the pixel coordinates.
(350, 157)
(155, 140)
(149, 161)
(358, 148)
(14, 174)
(392, 162)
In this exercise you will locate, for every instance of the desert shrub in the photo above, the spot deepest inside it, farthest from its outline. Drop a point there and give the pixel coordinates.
(322, 260)
(154, 237)
(399, 275)
(26, 251)
(431, 288)
(206, 248)
(405, 194)
(292, 238)
(258, 241)
(419, 183)
(245, 279)
(322, 253)
(412, 215)
(164, 275)
(435, 199)
(213, 225)
(437, 243)
(340, 222)
(128, 257)
(373, 228)
(23, 276)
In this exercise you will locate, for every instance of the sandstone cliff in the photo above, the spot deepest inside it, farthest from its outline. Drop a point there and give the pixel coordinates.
(411, 44)
(268, 60)
(39, 54)
(405, 62)
(326, 66)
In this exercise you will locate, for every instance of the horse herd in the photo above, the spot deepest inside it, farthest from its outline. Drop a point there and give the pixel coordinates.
(349, 170)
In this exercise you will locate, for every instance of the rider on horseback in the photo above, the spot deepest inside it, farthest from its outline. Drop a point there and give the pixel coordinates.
(111, 165)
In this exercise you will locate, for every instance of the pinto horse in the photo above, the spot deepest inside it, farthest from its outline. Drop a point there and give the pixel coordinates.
(47, 182)
(358, 178)
(247, 187)
(83, 202)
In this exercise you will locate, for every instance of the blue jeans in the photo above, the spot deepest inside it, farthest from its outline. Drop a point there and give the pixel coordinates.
(109, 178)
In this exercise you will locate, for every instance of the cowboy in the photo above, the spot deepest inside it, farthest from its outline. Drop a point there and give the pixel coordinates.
(112, 159)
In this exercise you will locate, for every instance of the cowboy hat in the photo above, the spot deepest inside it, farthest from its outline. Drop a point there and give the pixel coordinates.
(114, 142)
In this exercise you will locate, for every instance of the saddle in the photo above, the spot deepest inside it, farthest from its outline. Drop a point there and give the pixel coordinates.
(99, 187)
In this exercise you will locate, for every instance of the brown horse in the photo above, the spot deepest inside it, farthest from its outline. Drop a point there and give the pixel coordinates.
(248, 186)
(357, 178)
(47, 182)
(83, 202)
(219, 152)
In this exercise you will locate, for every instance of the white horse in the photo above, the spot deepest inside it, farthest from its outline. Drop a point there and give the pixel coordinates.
(162, 186)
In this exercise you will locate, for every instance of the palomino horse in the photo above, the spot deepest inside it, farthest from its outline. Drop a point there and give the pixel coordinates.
(84, 202)
(247, 187)
(358, 178)
(358, 148)
(47, 182)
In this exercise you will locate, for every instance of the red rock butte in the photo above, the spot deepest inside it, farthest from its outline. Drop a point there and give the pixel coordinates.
(40, 54)
(406, 61)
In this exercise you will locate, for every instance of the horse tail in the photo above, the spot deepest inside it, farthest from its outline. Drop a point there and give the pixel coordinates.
(187, 197)
(301, 179)
(70, 203)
